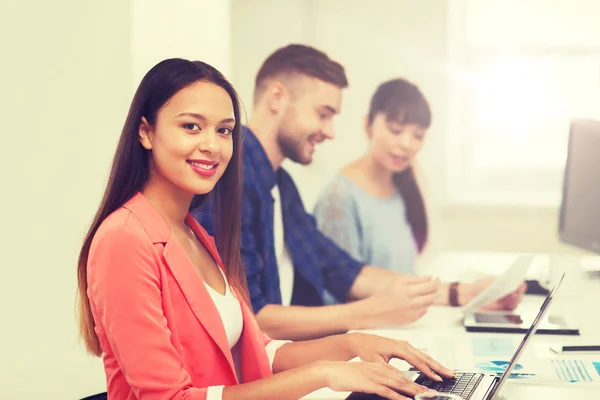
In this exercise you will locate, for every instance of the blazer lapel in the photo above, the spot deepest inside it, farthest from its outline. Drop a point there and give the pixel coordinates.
(197, 295)
(183, 269)
(255, 363)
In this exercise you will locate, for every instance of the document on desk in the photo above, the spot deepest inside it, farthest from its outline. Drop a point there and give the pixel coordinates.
(502, 286)
(553, 371)
(537, 366)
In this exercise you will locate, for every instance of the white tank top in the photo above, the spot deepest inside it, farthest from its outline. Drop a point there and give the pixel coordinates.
(231, 314)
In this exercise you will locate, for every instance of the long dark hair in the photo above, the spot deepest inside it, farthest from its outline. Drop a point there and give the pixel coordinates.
(403, 102)
(130, 172)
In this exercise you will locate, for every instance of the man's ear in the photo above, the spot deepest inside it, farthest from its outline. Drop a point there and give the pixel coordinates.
(278, 97)
(145, 134)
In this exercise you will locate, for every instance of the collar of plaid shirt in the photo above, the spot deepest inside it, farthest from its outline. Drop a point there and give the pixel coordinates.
(256, 155)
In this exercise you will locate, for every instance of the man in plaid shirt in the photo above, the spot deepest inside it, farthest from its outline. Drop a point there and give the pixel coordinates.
(288, 262)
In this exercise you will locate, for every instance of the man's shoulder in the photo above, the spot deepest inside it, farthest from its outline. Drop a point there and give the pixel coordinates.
(252, 176)
(252, 164)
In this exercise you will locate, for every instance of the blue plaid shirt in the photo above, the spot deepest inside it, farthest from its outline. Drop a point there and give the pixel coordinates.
(317, 260)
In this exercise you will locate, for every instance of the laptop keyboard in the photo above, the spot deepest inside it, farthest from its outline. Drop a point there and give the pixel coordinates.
(463, 384)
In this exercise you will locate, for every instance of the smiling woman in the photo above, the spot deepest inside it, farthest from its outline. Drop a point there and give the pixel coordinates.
(182, 112)
(187, 145)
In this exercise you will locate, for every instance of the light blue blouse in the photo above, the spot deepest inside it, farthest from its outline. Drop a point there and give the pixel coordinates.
(371, 229)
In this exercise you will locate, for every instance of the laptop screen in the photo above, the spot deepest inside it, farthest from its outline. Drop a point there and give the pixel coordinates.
(534, 325)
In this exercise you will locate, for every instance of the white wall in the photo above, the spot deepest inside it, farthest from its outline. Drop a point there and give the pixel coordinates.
(68, 72)
(191, 29)
(66, 82)
(258, 27)
(378, 40)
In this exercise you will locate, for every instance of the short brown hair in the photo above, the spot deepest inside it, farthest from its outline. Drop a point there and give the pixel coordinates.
(302, 60)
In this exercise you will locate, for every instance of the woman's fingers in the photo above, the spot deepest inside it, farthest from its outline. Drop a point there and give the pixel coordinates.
(424, 363)
(394, 379)
(436, 366)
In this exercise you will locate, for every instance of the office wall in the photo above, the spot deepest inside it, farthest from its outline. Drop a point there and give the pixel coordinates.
(257, 28)
(66, 83)
(69, 69)
(375, 41)
(191, 29)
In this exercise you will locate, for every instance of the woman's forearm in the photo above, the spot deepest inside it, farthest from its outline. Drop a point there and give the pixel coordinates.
(302, 323)
(295, 354)
(292, 384)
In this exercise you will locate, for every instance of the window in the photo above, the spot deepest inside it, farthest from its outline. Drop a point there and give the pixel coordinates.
(520, 71)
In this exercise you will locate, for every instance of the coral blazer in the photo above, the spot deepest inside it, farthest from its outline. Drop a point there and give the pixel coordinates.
(160, 331)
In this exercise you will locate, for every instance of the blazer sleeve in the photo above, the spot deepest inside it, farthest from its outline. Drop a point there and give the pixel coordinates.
(125, 292)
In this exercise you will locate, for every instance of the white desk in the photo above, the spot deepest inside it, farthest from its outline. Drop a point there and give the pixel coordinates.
(577, 298)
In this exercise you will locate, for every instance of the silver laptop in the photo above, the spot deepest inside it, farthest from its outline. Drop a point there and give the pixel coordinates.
(473, 385)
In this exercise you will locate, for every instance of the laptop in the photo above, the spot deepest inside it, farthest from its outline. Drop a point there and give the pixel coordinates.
(474, 385)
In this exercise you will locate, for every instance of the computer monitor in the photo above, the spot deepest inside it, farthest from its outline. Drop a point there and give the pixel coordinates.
(580, 208)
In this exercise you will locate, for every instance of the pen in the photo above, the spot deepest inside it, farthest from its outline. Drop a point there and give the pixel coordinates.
(581, 348)
(563, 349)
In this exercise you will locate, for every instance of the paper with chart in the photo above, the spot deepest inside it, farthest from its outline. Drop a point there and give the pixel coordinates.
(537, 365)
(505, 284)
